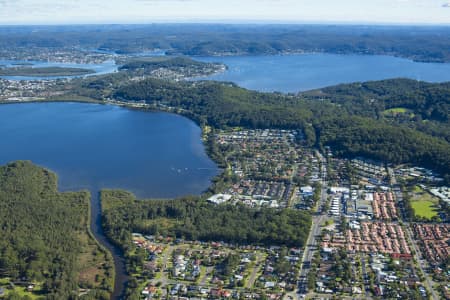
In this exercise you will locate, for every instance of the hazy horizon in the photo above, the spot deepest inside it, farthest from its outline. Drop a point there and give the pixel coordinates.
(346, 12)
(230, 22)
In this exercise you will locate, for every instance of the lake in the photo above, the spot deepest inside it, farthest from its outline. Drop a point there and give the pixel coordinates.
(103, 68)
(301, 72)
(289, 73)
(95, 146)
(92, 146)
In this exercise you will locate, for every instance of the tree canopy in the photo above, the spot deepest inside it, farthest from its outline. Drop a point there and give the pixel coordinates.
(44, 234)
(195, 219)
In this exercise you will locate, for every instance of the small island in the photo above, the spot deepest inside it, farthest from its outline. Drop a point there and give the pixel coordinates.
(44, 72)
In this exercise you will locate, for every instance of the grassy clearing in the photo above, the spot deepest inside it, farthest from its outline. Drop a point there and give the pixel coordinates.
(423, 203)
(20, 291)
(418, 189)
(424, 208)
(165, 223)
(396, 110)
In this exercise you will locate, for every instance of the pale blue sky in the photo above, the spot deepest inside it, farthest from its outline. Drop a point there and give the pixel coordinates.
(278, 11)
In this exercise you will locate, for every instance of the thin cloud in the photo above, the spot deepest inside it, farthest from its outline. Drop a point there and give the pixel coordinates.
(145, 11)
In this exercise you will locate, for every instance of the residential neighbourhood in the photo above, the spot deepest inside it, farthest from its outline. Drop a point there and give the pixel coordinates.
(434, 242)
(270, 168)
(193, 269)
(56, 55)
(21, 90)
(361, 245)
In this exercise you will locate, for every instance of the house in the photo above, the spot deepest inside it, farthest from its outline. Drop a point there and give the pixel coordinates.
(307, 191)
(378, 291)
(296, 251)
(319, 286)
(219, 198)
(327, 250)
(151, 265)
(356, 290)
(149, 291)
(215, 293)
(402, 256)
(245, 260)
(226, 294)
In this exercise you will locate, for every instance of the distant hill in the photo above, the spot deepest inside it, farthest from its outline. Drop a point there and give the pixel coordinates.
(430, 44)
(416, 104)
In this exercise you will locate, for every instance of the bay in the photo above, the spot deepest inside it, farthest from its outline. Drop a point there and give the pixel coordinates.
(301, 72)
(93, 146)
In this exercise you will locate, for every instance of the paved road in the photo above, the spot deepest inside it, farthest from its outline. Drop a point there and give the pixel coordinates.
(317, 221)
(256, 268)
(392, 176)
(208, 272)
(410, 237)
(165, 260)
(417, 256)
(312, 243)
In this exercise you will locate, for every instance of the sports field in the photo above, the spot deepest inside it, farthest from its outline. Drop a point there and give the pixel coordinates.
(424, 208)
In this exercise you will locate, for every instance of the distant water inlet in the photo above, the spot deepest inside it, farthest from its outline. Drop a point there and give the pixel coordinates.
(98, 69)
(301, 72)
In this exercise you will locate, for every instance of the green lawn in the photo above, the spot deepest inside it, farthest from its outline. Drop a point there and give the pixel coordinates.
(424, 204)
(418, 189)
(398, 110)
(424, 208)
(21, 292)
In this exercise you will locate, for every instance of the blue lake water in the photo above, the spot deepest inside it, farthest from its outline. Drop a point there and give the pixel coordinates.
(103, 68)
(290, 73)
(294, 73)
(99, 146)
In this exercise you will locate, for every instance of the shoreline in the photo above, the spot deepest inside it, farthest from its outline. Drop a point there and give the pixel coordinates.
(301, 52)
(145, 108)
(95, 227)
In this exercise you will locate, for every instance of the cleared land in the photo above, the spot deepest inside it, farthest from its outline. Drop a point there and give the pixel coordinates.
(424, 204)
(424, 208)
(397, 110)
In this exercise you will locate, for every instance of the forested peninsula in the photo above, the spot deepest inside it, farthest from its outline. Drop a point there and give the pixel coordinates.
(44, 72)
(46, 246)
